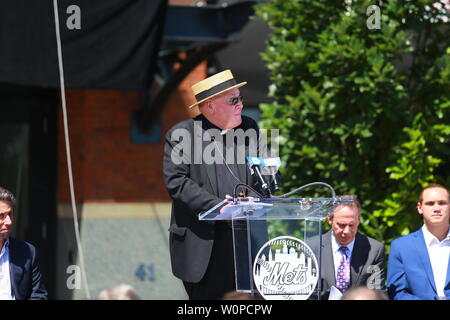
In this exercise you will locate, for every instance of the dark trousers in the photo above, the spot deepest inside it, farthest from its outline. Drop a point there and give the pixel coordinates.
(219, 277)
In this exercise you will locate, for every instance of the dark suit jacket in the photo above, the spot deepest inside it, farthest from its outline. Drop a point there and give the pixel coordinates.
(366, 252)
(410, 275)
(193, 189)
(26, 278)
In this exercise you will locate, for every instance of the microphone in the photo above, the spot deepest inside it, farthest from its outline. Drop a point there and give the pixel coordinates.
(254, 164)
(270, 166)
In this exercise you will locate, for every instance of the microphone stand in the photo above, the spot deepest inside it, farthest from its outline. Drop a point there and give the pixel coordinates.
(264, 185)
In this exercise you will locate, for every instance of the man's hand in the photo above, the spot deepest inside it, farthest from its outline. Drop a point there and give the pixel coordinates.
(227, 205)
(222, 210)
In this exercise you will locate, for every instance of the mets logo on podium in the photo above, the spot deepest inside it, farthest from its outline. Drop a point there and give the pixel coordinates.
(285, 268)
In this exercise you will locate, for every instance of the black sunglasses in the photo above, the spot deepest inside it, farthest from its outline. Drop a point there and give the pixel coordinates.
(234, 100)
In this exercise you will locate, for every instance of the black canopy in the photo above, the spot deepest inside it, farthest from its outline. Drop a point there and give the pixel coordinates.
(115, 48)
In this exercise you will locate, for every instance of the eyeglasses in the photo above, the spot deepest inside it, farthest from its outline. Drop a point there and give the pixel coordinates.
(234, 100)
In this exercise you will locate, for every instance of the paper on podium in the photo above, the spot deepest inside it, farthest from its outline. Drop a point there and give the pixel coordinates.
(230, 210)
(335, 294)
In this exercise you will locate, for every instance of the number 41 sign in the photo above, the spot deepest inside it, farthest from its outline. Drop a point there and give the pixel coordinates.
(145, 272)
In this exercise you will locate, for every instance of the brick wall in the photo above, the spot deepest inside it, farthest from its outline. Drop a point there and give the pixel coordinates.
(106, 165)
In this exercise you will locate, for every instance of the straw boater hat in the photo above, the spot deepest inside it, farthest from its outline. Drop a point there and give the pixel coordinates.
(214, 85)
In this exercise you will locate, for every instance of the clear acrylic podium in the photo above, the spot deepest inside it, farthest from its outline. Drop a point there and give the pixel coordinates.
(277, 244)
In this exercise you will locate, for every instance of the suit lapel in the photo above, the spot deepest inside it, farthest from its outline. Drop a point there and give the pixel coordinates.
(243, 173)
(447, 281)
(198, 135)
(211, 171)
(359, 257)
(15, 271)
(422, 252)
(327, 260)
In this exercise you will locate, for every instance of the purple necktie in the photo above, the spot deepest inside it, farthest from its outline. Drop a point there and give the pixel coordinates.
(343, 271)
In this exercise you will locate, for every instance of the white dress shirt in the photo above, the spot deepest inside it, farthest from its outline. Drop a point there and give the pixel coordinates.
(439, 253)
(5, 280)
(337, 255)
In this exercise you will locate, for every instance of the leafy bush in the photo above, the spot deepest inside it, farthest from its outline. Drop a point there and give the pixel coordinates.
(366, 111)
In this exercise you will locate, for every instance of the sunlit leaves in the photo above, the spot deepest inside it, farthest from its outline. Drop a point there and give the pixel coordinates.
(366, 111)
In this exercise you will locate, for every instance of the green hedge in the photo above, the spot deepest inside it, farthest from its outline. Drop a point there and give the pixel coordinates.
(366, 111)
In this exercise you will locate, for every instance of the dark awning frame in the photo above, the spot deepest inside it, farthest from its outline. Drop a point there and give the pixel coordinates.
(199, 32)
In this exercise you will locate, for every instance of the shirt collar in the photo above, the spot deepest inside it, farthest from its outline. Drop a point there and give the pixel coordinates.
(5, 247)
(431, 238)
(210, 125)
(336, 245)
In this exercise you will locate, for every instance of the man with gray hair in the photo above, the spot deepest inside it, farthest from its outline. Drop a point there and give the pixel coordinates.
(20, 277)
(349, 258)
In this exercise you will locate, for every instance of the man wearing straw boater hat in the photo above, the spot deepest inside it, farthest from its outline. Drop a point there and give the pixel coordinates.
(202, 251)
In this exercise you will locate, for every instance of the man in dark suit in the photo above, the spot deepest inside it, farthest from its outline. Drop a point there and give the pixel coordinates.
(349, 259)
(199, 173)
(20, 277)
(419, 263)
